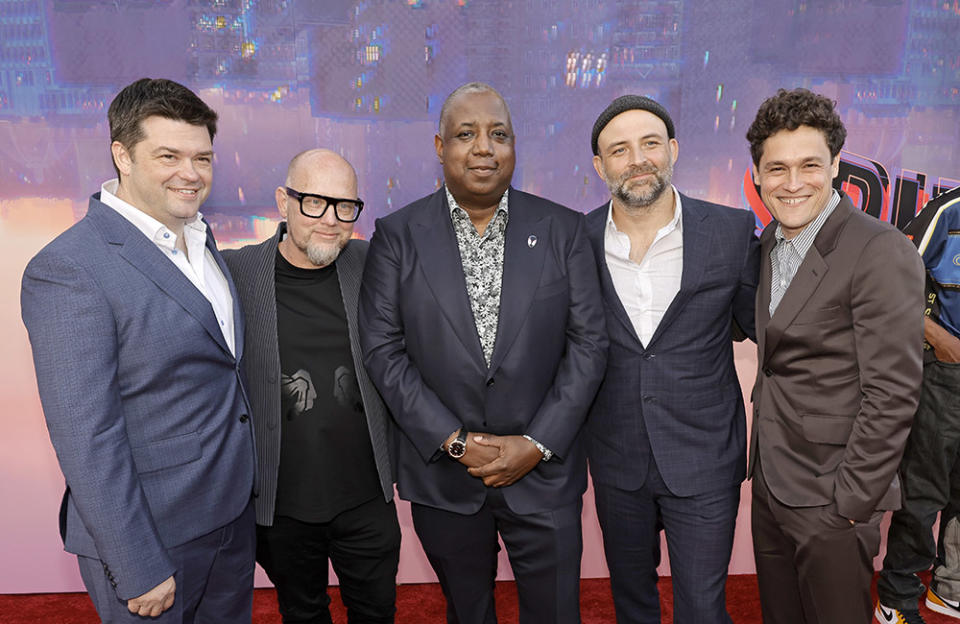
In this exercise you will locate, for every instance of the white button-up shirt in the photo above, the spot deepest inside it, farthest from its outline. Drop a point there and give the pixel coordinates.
(646, 289)
(200, 268)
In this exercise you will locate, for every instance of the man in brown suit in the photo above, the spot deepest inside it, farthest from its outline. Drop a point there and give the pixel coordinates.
(840, 331)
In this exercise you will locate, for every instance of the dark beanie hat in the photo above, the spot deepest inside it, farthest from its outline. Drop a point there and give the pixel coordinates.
(629, 102)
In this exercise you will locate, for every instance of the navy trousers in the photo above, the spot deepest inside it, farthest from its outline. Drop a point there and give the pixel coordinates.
(214, 578)
(699, 532)
(544, 550)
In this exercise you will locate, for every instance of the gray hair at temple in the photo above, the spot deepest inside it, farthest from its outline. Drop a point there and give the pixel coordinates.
(470, 87)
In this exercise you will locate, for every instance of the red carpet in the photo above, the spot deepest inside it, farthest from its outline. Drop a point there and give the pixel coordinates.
(416, 604)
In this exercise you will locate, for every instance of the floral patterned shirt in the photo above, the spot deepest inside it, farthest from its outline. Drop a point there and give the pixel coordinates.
(482, 259)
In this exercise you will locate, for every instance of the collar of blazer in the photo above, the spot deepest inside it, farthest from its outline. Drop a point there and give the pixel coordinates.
(812, 270)
(262, 275)
(432, 233)
(697, 236)
(144, 255)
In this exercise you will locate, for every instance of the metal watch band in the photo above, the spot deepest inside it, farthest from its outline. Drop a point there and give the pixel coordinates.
(547, 453)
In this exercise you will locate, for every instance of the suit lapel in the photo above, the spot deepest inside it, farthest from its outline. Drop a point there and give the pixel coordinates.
(522, 265)
(349, 269)
(238, 316)
(696, 248)
(143, 254)
(436, 245)
(596, 229)
(762, 307)
(811, 272)
(260, 281)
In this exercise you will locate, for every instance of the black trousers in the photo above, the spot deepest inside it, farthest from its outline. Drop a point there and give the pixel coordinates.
(362, 543)
(930, 477)
(544, 550)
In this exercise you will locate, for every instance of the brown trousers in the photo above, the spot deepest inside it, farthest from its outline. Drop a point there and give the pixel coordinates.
(813, 566)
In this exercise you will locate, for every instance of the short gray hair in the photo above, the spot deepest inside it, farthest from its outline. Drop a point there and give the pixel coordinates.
(470, 87)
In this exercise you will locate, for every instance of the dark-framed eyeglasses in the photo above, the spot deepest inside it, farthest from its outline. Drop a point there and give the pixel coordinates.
(315, 206)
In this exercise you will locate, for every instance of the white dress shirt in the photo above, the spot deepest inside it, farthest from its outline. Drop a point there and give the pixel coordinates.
(646, 289)
(200, 268)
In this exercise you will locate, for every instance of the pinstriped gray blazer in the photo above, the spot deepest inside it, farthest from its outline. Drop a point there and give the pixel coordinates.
(252, 268)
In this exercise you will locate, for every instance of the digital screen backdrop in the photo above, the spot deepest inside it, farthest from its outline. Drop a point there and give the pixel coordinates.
(367, 79)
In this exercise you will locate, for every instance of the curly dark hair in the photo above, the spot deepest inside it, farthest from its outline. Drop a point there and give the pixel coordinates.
(149, 97)
(788, 110)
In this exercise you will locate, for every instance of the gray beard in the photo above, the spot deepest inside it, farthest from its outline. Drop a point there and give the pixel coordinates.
(646, 195)
(323, 255)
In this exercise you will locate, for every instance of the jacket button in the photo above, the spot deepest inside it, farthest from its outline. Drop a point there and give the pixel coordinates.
(489, 382)
(649, 356)
(244, 418)
(768, 372)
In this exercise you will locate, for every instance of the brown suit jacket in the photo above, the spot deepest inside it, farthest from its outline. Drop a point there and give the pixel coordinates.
(840, 364)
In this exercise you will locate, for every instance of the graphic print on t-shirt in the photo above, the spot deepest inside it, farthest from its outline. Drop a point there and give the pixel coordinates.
(299, 391)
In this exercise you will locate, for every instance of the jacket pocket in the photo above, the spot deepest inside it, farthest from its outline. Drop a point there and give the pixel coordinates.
(821, 315)
(168, 452)
(553, 288)
(827, 429)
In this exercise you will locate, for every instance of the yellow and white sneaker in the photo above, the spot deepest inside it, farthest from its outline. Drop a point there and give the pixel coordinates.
(936, 602)
(889, 615)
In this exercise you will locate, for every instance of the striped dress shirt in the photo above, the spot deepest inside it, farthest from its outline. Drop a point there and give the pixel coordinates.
(788, 255)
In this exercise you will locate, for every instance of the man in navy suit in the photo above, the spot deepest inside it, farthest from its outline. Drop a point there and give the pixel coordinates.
(667, 433)
(137, 336)
(482, 326)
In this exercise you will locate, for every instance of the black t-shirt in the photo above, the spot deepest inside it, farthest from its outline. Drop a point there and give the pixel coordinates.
(326, 459)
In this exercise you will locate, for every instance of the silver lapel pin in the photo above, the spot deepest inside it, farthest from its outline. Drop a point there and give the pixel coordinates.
(531, 241)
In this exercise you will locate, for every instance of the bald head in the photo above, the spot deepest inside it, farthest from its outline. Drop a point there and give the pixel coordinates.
(311, 241)
(467, 89)
(320, 162)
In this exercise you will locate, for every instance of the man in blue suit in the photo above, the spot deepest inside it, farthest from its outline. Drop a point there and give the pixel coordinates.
(667, 433)
(482, 326)
(136, 336)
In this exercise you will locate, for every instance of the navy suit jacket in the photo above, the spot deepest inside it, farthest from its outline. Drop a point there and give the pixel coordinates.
(423, 352)
(679, 396)
(143, 400)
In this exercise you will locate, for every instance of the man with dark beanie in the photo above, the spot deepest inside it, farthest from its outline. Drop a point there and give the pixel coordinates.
(667, 434)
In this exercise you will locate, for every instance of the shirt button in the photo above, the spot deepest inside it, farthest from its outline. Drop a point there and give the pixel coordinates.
(221, 323)
(174, 252)
(166, 234)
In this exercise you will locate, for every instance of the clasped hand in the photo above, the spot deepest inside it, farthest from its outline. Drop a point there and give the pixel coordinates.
(499, 460)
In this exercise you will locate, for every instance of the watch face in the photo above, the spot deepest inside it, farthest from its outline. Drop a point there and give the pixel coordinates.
(456, 449)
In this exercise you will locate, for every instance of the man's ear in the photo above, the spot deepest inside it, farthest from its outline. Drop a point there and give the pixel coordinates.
(121, 157)
(756, 175)
(438, 145)
(598, 167)
(281, 196)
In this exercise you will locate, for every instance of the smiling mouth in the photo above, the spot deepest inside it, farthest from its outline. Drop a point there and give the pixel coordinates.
(186, 192)
(793, 201)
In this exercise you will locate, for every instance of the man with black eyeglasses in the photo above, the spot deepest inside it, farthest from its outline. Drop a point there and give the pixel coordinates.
(325, 481)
